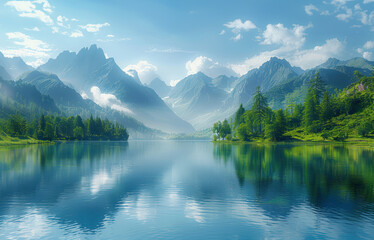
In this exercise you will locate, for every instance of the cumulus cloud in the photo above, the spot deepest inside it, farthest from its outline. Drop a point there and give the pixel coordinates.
(310, 8)
(369, 45)
(278, 34)
(38, 9)
(107, 100)
(364, 51)
(367, 55)
(94, 27)
(146, 71)
(76, 34)
(237, 26)
(310, 58)
(305, 59)
(208, 66)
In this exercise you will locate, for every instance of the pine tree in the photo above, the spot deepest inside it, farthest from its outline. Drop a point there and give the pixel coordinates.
(238, 116)
(259, 109)
(326, 107)
(315, 91)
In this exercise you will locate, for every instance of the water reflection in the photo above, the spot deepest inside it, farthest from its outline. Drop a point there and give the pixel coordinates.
(186, 190)
(333, 176)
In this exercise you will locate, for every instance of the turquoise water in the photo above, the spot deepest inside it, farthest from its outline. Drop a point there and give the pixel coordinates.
(186, 190)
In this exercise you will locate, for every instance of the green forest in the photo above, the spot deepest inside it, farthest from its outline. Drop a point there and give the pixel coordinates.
(344, 115)
(50, 128)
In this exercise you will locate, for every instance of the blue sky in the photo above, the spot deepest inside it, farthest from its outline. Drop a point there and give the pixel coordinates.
(172, 39)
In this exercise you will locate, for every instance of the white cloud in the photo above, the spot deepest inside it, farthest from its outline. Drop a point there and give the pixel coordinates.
(208, 66)
(364, 50)
(76, 34)
(146, 71)
(46, 6)
(237, 26)
(110, 36)
(222, 32)
(62, 20)
(29, 9)
(345, 16)
(310, 8)
(367, 55)
(278, 34)
(21, 6)
(27, 42)
(107, 100)
(173, 83)
(369, 45)
(55, 30)
(74, 20)
(305, 59)
(367, 19)
(237, 37)
(368, 1)
(29, 47)
(340, 3)
(94, 27)
(312, 57)
(34, 29)
(36, 63)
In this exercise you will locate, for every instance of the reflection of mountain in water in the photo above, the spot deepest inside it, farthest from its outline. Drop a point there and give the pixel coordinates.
(331, 176)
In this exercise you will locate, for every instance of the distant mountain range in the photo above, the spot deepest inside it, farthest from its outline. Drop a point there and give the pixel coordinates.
(202, 100)
(194, 103)
(13, 66)
(160, 87)
(89, 67)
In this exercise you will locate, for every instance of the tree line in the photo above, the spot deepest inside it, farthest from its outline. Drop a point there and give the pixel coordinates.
(51, 128)
(314, 116)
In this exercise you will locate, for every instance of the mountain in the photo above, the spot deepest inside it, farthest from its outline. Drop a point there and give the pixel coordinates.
(25, 99)
(160, 87)
(4, 74)
(195, 96)
(89, 67)
(224, 82)
(272, 73)
(14, 66)
(50, 84)
(71, 103)
(357, 62)
(334, 73)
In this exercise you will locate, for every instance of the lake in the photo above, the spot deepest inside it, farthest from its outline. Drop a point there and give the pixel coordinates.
(186, 190)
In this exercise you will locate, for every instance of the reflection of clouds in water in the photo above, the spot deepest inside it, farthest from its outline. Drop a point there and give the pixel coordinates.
(139, 207)
(32, 225)
(103, 180)
(194, 210)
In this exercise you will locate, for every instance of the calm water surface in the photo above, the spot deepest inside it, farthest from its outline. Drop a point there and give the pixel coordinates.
(186, 190)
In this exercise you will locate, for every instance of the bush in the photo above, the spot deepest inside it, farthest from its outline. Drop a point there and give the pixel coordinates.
(325, 135)
(364, 129)
(228, 137)
(342, 135)
(315, 127)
